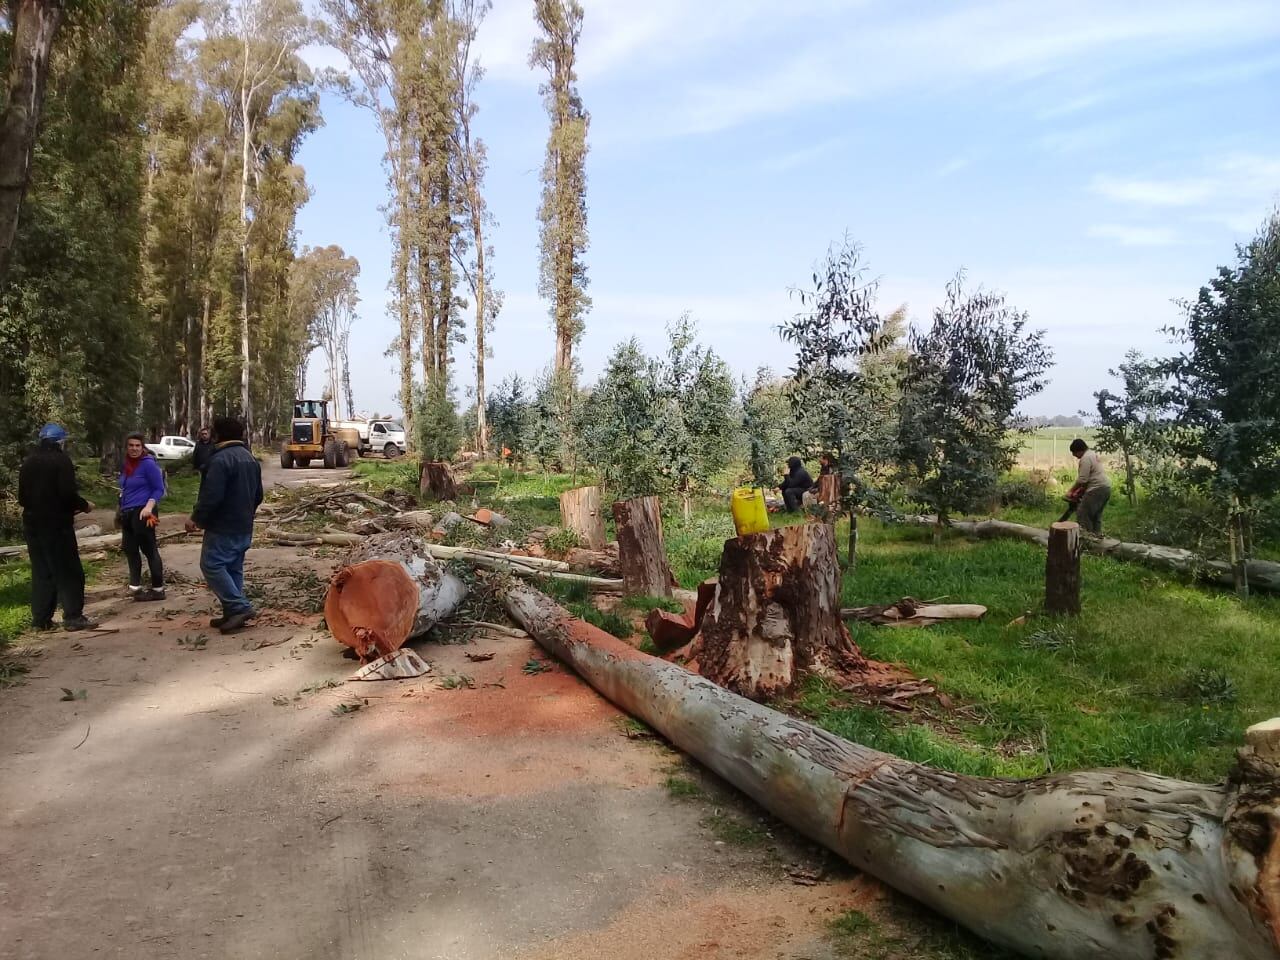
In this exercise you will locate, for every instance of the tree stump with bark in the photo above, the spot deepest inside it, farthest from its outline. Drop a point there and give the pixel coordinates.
(1062, 570)
(642, 553)
(776, 616)
(435, 482)
(389, 590)
(828, 492)
(582, 512)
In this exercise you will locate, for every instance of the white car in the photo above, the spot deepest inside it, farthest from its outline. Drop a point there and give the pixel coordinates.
(172, 448)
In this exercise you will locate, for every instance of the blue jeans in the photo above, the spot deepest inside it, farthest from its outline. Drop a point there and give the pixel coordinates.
(222, 563)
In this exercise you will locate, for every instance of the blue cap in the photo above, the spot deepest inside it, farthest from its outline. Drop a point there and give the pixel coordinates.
(53, 431)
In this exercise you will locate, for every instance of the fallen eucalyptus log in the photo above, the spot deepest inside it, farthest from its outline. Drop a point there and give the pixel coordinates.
(389, 591)
(1095, 865)
(909, 612)
(1262, 574)
(88, 544)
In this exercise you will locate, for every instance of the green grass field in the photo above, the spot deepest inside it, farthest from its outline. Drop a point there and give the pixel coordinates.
(1047, 448)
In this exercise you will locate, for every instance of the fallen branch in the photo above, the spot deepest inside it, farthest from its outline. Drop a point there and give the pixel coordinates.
(1095, 865)
(89, 544)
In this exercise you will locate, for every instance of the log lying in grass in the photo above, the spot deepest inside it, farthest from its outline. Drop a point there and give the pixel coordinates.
(389, 591)
(1097, 865)
(909, 612)
(1262, 574)
(524, 566)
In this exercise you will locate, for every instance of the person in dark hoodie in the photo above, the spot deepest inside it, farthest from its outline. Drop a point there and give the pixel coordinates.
(229, 499)
(795, 484)
(141, 490)
(50, 499)
(203, 452)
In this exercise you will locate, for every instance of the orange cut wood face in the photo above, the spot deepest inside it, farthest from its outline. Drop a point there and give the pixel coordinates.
(371, 607)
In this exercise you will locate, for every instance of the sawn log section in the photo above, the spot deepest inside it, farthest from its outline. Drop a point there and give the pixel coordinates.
(1097, 865)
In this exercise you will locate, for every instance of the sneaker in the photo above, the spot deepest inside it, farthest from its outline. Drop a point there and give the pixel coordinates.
(153, 593)
(43, 627)
(79, 623)
(218, 621)
(135, 589)
(235, 621)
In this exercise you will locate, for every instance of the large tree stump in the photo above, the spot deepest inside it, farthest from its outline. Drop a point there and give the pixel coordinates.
(1062, 570)
(642, 553)
(776, 616)
(389, 590)
(435, 482)
(581, 511)
(828, 492)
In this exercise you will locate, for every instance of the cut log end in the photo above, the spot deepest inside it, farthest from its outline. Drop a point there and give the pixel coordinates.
(371, 607)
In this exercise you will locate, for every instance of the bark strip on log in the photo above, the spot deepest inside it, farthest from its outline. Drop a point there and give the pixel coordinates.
(582, 512)
(1095, 865)
(389, 591)
(642, 552)
(776, 614)
(1062, 570)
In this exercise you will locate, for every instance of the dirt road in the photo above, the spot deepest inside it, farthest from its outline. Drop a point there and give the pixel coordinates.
(213, 797)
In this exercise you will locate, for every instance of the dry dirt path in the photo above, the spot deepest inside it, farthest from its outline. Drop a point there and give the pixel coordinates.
(200, 804)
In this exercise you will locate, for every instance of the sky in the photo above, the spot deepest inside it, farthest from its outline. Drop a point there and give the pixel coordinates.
(1094, 161)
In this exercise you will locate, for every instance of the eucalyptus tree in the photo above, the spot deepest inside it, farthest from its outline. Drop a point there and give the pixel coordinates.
(562, 212)
(1225, 387)
(965, 376)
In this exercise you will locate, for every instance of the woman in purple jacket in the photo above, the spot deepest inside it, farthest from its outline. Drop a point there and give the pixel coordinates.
(141, 489)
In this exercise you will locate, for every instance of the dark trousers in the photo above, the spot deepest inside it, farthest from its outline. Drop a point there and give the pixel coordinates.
(1090, 510)
(793, 497)
(56, 573)
(139, 540)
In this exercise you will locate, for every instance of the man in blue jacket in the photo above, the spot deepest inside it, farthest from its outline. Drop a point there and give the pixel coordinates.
(229, 499)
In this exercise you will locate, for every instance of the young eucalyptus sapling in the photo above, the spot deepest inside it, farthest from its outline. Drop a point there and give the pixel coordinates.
(965, 376)
(837, 408)
(1130, 423)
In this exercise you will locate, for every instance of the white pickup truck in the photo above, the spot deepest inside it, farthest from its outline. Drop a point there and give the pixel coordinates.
(172, 448)
(378, 436)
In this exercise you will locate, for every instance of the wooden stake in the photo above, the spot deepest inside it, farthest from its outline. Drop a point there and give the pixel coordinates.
(642, 552)
(581, 512)
(1062, 570)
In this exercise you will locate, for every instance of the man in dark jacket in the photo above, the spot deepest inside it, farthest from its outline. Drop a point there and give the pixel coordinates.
(229, 499)
(203, 452)
(795, 484)
(50, 499)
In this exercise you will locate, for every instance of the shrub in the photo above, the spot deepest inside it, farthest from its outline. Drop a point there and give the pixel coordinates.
(559, 543)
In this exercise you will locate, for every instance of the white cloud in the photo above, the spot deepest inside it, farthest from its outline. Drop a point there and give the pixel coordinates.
(1130, 236)
(1155, 193)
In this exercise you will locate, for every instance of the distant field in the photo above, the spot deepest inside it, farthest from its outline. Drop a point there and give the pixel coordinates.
(1047, 447)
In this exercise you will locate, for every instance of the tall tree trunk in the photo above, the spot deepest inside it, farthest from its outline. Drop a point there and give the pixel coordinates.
(35, 23)
(481, 292)
(245, 400)
(1239, 548)
(1130, 486)
(1093, 865)
(202, 404)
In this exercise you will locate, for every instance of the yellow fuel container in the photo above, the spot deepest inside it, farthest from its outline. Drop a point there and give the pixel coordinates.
(750, 515)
